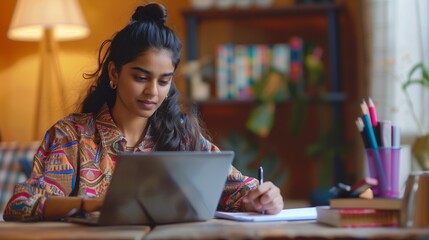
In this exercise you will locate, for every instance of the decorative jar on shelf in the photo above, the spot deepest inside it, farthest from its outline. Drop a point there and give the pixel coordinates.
(202, 4)
(243, 3)
(263, 3)
(224, 4)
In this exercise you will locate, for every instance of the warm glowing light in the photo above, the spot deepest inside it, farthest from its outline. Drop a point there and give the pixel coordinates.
(32, 17)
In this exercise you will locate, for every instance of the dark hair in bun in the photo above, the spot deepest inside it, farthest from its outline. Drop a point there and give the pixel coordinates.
(151, 12)
(171, 128)
(145, 31)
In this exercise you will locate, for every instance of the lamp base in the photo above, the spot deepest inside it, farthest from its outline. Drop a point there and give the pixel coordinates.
(50, 96)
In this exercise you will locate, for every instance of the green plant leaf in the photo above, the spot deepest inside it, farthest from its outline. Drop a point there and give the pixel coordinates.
(314, 149)
(271, 87)
(246, 151)
(424, 82)
(299, 111)
(261, 119)
(425, 73)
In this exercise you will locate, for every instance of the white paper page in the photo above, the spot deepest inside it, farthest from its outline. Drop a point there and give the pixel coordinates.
(293, 214)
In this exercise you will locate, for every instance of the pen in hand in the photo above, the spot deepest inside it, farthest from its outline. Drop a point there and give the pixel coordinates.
(261, 179)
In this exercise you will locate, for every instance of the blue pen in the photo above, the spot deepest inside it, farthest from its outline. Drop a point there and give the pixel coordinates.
(373, 144)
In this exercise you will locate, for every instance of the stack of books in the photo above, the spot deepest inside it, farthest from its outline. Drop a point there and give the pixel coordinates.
(359, 212)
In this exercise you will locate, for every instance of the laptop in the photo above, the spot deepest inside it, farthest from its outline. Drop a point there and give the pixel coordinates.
(163, 187)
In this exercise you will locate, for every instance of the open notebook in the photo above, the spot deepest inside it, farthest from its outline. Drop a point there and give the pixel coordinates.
(293, 214)
(163, 187)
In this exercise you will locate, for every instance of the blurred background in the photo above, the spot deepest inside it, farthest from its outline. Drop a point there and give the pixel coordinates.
(296, 117)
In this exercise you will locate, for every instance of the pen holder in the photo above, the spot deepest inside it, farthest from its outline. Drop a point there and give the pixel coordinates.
(388, 160)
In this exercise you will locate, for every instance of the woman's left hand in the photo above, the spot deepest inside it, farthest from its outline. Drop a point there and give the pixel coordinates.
(266, 198)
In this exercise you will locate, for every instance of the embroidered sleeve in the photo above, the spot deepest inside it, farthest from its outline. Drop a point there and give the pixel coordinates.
(53, 173)
(236, 186)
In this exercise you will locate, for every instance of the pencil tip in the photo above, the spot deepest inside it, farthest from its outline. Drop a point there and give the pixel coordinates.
(364, 108)
(359, 124)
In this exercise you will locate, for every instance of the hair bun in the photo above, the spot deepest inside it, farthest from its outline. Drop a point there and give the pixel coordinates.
(151, 12)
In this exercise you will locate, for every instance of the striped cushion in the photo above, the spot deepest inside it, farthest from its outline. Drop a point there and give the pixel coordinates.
(26, 155)
(15, 160)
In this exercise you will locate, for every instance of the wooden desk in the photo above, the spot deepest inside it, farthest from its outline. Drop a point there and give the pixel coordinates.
(62, 230)
(224, 229)
(213, 229)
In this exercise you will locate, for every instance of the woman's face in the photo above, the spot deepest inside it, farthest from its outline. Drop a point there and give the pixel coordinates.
(143, 84)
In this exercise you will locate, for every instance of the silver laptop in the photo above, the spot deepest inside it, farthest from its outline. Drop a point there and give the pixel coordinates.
(163, 187)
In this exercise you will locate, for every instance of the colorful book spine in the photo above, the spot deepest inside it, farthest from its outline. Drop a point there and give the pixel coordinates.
(241, 76)
(265, 53)
(239, 67)
(296, 84)
(221, 72)
(280, 58)
(231, 86)
(253, 68)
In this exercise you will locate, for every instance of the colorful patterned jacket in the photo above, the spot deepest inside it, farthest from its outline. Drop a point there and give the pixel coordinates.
(77, 158)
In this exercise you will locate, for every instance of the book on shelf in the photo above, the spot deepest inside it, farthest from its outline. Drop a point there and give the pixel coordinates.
(296, 74)
(240, 66)
(358, 218)
(361, 203)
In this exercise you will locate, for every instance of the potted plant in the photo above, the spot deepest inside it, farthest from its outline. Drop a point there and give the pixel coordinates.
(420, 147)
(274, 88)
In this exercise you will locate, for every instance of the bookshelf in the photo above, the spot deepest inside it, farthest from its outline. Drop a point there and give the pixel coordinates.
(316, 23)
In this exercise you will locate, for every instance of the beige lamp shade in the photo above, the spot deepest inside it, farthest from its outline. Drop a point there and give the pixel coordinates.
(32, 17)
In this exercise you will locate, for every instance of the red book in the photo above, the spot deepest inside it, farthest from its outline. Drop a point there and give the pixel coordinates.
(358, 218)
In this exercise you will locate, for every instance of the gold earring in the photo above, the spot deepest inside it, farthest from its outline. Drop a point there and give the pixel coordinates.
(112, 85)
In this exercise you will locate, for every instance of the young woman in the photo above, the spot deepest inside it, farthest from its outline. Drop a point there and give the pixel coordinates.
(133, 105)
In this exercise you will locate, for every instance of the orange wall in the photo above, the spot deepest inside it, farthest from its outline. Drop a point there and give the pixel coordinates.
(19, 61)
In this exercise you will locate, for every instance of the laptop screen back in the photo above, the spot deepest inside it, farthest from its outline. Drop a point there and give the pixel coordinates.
(165, 187)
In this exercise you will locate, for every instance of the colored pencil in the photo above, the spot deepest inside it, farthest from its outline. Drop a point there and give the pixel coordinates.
(372, 112)
(372, 141)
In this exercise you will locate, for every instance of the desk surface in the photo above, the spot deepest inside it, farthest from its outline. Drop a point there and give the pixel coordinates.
(224, 229)
(215, 229)
(63, 230)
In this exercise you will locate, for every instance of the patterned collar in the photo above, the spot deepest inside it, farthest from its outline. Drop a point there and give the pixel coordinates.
(112, 138)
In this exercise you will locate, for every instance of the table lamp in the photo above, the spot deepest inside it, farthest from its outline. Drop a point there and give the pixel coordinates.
(47, 21)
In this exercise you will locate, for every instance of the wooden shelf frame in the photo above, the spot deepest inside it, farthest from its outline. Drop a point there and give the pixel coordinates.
(335, 98)
(330, 11)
